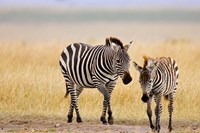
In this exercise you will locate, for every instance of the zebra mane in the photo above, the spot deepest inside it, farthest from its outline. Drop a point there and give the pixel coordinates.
(107, 41)
(114, 40)
(150, 62)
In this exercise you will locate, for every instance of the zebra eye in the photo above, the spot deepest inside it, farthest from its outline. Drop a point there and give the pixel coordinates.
(151, 81)
(118, 61)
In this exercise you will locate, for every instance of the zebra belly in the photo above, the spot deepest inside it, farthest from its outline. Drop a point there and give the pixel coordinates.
(80, 75)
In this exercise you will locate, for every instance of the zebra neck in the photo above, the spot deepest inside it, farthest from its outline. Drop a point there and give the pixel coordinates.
(109, 60)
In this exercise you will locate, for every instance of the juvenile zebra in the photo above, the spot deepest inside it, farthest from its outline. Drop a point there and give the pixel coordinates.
(98, 67)
(158, 76)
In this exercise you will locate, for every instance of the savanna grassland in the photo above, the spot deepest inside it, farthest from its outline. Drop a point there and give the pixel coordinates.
(32, 89)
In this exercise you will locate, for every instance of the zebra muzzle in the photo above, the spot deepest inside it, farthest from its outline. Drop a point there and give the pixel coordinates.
(145, 98)
(127, 78)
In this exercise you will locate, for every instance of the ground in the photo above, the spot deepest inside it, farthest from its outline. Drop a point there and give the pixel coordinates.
(37, 124)
(52, 125)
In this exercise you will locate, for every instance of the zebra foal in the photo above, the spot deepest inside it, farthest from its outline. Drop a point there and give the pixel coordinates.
(158, 77)
(98, 67)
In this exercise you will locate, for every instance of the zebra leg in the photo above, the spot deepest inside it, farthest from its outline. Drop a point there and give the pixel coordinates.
(149, 112)
(79, 90)
(110, 87)
(105, 103)
(69, 87)
(158, 110)
(170, 109)
(74, 103)
(70, 113)
(110, 117)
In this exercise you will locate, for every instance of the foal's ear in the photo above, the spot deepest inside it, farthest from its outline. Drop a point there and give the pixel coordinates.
(152, 64)
(137, 67)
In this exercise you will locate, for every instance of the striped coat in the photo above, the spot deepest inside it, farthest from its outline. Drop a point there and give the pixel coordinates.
(98, 67)
(158, 77)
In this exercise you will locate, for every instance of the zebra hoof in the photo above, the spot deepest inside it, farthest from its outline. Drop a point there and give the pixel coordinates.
(79, 120)
(153, 130)
(69, 121)
(170, 129)
(103, 119)
(110, 120)
(104, 122)
(152, 127)
(158, 129)
(69, 118)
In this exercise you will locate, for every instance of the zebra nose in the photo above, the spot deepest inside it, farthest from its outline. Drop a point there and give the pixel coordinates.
(127, 78)
(145, 98)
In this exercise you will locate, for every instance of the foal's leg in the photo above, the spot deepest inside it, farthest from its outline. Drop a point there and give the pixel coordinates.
(170, 109)
(158, 110)
(149, 112)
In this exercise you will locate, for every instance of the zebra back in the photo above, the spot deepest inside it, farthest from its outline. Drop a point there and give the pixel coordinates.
(82, 64)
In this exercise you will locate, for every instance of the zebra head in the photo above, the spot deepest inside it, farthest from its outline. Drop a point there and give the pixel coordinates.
(121, 59)
(146, 78)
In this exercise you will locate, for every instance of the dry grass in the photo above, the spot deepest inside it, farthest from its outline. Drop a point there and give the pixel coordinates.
(31, 84)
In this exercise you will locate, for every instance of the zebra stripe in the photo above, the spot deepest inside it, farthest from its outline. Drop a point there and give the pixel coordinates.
(158, 76)
(94, 67)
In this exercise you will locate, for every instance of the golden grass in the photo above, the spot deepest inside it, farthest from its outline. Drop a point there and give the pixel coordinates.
(31, 84)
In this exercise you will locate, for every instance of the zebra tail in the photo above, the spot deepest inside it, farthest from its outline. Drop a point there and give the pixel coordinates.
(66, 94)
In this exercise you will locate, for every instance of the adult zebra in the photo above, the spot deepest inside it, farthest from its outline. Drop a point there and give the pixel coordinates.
(158, 77)
(94, 67)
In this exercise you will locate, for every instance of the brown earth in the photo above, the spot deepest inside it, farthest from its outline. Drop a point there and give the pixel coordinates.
(39, 125)
(60, 125)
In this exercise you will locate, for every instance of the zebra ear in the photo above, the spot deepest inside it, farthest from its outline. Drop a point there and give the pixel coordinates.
(126, 47)
(137, 67)
(152, 64)
(114, 46)
(156, 64)
(107, 41)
